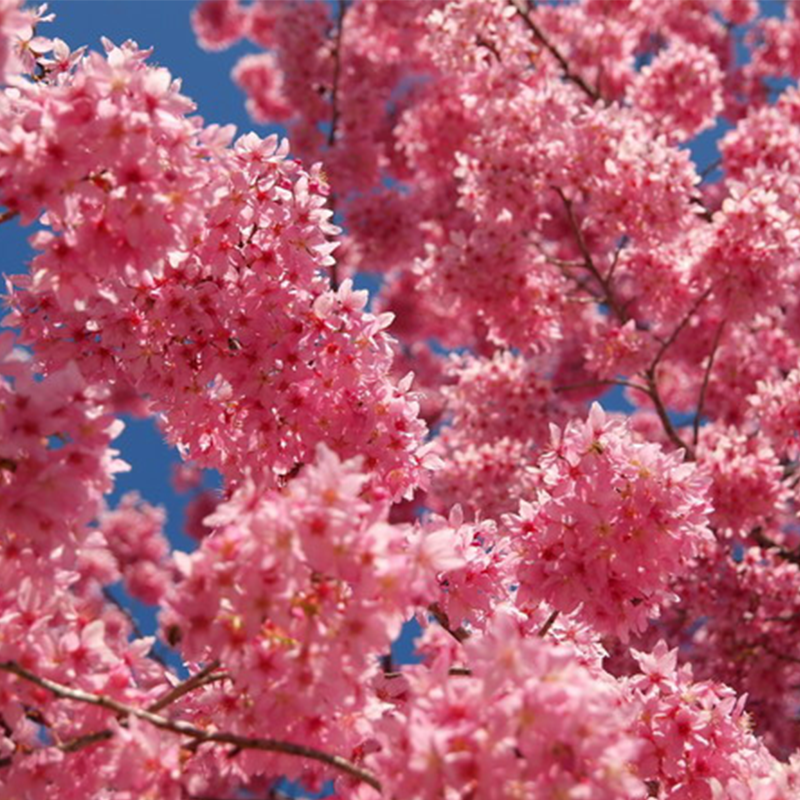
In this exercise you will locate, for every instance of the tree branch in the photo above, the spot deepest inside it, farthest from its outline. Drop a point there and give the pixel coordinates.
(704, 387)
(669, 341)
(181, 728)
(201, 678)
(544, 630)
(566, 70)
(569, 387)
(710, 168)
(341, 10)
(666, 422)
(459, 634)
(588, 261)
(763, 541)
(7, 215)
(341, 7)
(622, 315)
(453, 672)
(615, 259)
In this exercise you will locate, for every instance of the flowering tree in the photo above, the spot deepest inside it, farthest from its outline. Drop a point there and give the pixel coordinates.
(609, 603)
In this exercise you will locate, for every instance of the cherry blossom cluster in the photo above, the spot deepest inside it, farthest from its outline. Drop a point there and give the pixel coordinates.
(698, 742)
(743, 634)
(498, 410)
(296, 592)
(17, 43)
(612, 521)
(208, 306)
(681, 90)
(55, 460)
(529, 721)
(775, 406)
(747, 486)
(56, 622)
(134, 535)
(608, 605)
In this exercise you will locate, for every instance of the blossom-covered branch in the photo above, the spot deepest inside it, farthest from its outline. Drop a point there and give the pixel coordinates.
(198, 735)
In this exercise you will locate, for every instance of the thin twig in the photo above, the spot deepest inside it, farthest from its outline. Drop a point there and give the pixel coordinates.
(710, 168)
(667, 343)
(335, 110)
(569, 387)
(137, 631)
(73, 745)
(337, 70)
(588, 261)
(543, 631)
(762, 540)
(201, 678)
(7, 215)
(481, 42)
(563, 262)
(652, 381)
(459, 634)
(704, 387)
(453, 671)
(706, 213)
(666, 422)
(566, 70)
(335, 265)
(615, 259)
(182, 728)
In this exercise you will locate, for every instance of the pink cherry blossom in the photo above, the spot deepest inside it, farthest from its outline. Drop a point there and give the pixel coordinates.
(607, 601)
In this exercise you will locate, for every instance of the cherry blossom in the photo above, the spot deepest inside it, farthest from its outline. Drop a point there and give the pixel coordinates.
(606, 601)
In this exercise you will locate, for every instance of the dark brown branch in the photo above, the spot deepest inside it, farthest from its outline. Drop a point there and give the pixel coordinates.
(566, 70)
(181, 728)
(341, 10)
(453, 671)
(459, 634)
(569, 387)
(588, 261)
(704, 212)
(710, 168)
(620, 312)
(334, 266)
(763, 541)
(704, 387)
(615, 259)
(8, 464)
(666, 422)
(7, 215)
(485, 43)
(73, 745)
(543, 631)
(652, 382)
(669, 341)
(137, 631)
